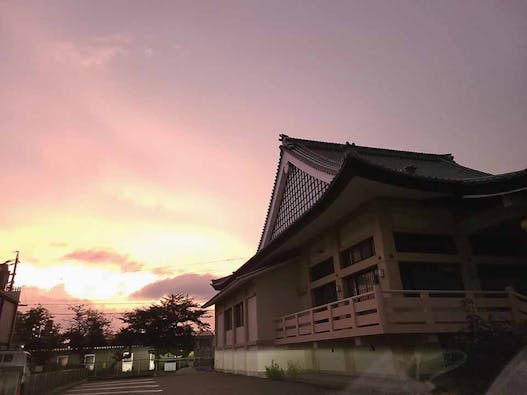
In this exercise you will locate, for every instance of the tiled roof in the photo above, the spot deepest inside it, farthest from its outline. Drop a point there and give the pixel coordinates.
(331, 156)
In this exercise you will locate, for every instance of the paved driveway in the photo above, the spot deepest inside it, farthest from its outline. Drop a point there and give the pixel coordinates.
(200, 383)
(214, 383)
(140, 386)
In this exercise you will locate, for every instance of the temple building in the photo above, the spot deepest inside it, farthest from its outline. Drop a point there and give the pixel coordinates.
(368, 260)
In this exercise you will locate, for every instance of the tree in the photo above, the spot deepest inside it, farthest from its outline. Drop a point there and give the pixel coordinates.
(37, 332)
(169, 325)
(88, 328)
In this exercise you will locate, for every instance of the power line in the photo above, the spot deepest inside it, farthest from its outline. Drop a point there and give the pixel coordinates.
(89, 303)
(76, 304)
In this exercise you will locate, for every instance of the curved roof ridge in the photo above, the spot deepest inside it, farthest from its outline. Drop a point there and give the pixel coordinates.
(485, 178)
(344, 146)
(482, 173)
(319, 161)
(399, 153)
(271, 199)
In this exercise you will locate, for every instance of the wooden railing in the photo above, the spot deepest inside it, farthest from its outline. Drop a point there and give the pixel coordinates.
(447, 311)
(354, 316)
(399, 311)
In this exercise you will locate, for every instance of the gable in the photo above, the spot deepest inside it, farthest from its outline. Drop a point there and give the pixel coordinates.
(300, 192)
(297, 187)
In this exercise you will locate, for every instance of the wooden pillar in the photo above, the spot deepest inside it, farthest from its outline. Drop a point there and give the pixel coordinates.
(379, 299)
(385, 248)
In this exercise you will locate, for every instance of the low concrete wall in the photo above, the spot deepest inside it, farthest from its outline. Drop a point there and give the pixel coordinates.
(379, 361)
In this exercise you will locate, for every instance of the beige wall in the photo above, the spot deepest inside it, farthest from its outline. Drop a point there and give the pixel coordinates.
(237, 336)
(278, 292)
(7, 316)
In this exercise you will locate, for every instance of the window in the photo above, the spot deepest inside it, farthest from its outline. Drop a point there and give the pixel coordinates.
(321, 269)
(360, 283)
(434, 276)
(325, 294)
(506, 239)
(496, 277)
(238, 315)
(6, 358)
(358, 252)
(428, 243)
(228, 319)
(62, 360)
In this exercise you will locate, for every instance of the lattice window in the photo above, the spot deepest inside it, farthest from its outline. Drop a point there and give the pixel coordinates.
(300, 193)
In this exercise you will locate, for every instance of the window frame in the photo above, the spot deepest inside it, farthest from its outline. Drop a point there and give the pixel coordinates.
(227, 320)
(354, 254)
(440, 243)
(238, 315)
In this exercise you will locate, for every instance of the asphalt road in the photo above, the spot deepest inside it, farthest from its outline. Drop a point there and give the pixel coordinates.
(199, 383)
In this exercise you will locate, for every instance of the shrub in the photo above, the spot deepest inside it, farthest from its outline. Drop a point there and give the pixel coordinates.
(292, 370)
(274, 372)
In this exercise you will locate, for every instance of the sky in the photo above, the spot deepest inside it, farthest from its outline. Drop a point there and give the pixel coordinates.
(140, 138)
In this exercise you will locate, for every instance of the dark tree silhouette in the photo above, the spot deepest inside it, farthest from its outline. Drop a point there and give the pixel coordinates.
(87, 329)
(168, 325)
(36, 329)
(37, 332)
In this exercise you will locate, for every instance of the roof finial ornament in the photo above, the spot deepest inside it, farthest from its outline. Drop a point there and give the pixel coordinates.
(286, 141)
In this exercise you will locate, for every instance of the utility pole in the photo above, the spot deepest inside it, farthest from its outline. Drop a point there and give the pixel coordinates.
(12, 283)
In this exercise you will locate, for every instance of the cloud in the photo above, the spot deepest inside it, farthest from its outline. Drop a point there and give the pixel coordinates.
(162, 271)
(58, 244)
(92, 53)
(195, 285)
(105, 256)
(149, 52)
(58, 301)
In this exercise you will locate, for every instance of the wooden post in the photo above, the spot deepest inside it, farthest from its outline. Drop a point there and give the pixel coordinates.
(425, 302)
(296, 324)
(330, 313)
(283, 326)
(515, 312)
(379, 299)
(353, 313)
(233, 327)
(312, 315)
(246, 320)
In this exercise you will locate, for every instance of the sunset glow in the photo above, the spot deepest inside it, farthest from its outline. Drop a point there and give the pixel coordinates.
(139, 142)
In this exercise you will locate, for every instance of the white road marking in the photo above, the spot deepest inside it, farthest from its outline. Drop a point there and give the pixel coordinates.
(103, 383)
(118, 392)
(131, 386)
(113, 387)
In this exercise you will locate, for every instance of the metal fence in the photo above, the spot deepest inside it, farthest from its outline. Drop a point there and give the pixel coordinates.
(42, 383)
(9, 381)
(144, 367)
(46, 382)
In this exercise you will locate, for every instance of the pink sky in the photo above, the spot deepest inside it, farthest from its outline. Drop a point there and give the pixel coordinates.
(139, 139)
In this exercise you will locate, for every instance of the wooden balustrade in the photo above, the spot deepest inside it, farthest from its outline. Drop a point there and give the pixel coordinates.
(398, 311)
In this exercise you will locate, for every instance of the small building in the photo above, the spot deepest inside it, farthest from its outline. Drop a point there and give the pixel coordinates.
(114, 359)
(367, 259)
(9, 300)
